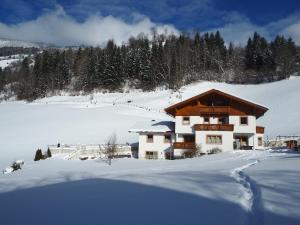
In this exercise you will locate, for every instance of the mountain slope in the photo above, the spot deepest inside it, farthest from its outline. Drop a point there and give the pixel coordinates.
(90, 119)
(19, 43)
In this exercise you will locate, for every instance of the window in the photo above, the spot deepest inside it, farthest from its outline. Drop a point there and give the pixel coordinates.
(167, 138)
(222, 120)
(259, 141)
(186, 120)
(151, 155)
(189, 138)
(243, 120)
(150, 138)
(206, 119)
(214, 139)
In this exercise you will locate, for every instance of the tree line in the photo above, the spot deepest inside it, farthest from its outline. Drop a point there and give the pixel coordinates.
(143, 63)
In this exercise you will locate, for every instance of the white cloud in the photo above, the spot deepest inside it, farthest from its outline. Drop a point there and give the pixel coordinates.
(59, 28)
(239, 28)
(293, 31)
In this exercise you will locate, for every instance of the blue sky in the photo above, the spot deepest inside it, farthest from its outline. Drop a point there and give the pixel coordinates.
(119, 19)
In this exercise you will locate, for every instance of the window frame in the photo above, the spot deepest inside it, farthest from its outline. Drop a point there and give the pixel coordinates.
(247, 120)
(259, 141)
(214, 135)
(186, 122)
(151, 155)
(149, 140)
(206, 122)
(219, 119)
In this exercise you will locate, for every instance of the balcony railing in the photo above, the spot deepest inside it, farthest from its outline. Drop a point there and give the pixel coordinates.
(184, 145)
(196, 111)
(214, 127)
(215, 109)
(260, 130)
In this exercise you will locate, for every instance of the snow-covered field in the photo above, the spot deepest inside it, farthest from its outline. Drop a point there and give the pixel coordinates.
(6, 61)
(229, 188)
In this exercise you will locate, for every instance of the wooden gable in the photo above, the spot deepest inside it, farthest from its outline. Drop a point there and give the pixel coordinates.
(215, 103)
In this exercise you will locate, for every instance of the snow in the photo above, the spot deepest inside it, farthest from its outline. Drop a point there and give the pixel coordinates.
(191, 191)
(6, 61)
(18, 43)
(241, 187)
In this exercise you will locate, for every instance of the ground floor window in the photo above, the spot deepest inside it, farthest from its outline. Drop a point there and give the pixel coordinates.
(214, 139)
(151, 155)
(259, 140)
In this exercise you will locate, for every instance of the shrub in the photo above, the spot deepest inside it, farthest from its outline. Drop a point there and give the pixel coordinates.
(49, 154)
(16, 166)
(214, 150)
(38, 155)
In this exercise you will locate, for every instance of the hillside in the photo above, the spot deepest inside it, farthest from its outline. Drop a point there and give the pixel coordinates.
(90, 119)
(241, 187)
(19, 43)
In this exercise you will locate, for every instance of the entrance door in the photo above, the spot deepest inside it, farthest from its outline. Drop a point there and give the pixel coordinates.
(151, 155)
(241, 141)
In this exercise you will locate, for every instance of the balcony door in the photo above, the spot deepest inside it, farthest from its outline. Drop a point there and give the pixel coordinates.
(189, 138)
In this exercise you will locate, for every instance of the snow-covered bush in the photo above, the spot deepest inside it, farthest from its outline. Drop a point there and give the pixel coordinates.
(198, 151)
(214, 150)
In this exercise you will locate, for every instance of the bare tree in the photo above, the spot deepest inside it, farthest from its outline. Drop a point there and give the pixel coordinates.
(111, 148)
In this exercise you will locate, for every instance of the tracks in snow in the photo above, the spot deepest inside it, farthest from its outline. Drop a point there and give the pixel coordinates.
(250, 195)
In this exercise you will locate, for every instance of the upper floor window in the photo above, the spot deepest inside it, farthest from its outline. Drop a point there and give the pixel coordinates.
(222, 120)
(186, 120)
(243, 120)
(167, 138)
(150, 138)
(206, 119)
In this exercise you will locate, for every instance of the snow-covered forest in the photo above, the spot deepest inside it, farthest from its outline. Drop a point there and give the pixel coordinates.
(147, 63)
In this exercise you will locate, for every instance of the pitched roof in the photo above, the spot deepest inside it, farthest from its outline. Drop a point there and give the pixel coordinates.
(153, 126)
(172, 109)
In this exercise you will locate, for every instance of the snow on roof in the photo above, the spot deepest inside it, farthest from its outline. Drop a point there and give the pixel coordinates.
(153, 126)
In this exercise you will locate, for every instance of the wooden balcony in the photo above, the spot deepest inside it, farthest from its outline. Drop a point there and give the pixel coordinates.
(214, 127)
(215, 109)
(260, 130)
(205, 110)
(184, 145)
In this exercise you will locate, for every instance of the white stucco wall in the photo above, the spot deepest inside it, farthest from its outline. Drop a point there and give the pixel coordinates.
(238, 128)
(158, 144)
(227, 140)
(186, 129)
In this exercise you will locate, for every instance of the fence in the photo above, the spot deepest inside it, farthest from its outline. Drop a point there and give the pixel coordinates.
(91, 151)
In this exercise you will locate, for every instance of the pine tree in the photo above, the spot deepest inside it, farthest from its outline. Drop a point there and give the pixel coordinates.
(49, 154)
(2, 79)
(38, 155)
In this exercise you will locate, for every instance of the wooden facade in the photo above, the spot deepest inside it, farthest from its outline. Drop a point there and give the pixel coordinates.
(215, 103)
(260, 130)
(184, 145)
(214, 127)
(292, 144)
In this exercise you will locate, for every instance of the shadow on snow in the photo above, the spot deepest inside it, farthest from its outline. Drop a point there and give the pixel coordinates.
(105, 201)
